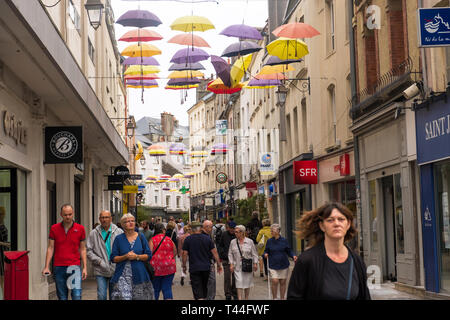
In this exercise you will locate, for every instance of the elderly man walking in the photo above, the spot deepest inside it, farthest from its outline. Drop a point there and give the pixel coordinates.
(99, 250)
(207, 229)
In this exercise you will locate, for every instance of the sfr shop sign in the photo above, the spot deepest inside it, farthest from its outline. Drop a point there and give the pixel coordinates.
(305, 172)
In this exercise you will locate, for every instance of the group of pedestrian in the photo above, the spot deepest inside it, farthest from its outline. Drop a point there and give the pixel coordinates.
(134, 263)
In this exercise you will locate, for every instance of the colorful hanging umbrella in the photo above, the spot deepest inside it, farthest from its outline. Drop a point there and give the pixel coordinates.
(140, 152)
(189, 175)
(185, 74)
(140, 35)
(185, 87)
(174, 180)
(275, 69)
(145, 61)
(141, 70)
(142, 83)
(183, 81)
(165, 188)
(177, 149)
(222, 69)
(165, 177)
(246, 86)
(150, 76)
(220, 148)
(241, 48)
(198, 154)
(151, 177)
(285, 48)
(189, 40)
(140, 50)
(139, 19)
(242, 31)
(156, 150)
(263, 83)
(218, 87)
(296, 30)
(274, 61)
(272, 76)
(192, 23)
(189, 66)
(173, 190)
(178, 176)
(239, 68)
(189, 56)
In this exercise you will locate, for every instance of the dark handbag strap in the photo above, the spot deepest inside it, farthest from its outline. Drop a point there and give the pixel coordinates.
(159, 245)
(237, 241)
(350, 280)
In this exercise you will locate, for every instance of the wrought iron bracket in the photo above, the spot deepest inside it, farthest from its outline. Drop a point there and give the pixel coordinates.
(305, 84)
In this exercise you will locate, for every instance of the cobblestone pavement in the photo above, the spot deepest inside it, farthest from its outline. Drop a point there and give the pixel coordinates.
(260, 291)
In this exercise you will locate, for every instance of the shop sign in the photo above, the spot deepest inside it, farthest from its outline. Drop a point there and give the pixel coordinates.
(122, 171)
(63, 145)
(251, 186)
(208, 202)
(344, 164)
(130, 189)
(115, 183)
(14, 128)
(305, 172)
(433, 132)
(266, 163)
(221, 178)
(221, 127)
(434, 27)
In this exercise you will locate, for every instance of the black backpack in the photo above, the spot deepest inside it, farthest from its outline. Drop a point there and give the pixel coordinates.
(217, 234)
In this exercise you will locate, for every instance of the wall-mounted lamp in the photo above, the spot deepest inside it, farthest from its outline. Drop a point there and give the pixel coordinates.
(94, 10)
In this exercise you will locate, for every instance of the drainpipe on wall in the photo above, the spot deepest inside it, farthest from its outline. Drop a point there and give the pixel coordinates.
(355, 138)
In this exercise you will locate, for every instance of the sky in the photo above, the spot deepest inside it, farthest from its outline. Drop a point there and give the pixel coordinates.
(222, 14)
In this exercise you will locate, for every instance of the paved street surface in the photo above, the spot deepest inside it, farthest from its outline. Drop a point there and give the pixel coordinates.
(259, 292)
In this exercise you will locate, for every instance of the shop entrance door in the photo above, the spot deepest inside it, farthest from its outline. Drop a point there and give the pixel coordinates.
(389, 261)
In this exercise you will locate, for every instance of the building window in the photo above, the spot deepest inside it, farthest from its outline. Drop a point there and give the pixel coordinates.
(373, 215)
(178, 202)
(330, 25)
(91, 51)
(297, 140)
(398, 207)
(332, 113)
(304, 125)
(75, 16)
(156, 199)
(167, 201)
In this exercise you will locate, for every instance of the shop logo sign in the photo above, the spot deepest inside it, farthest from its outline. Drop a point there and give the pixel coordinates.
(373, 14)
(434, 27)
(63, 145)
(305, 172)
(14, 128)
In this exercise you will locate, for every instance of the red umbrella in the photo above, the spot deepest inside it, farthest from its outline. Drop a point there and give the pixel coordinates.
(189, 40)
(296, 30)
(140, 35)
(218, 87)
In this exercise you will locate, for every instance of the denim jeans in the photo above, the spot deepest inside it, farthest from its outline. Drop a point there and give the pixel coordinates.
(68, 278)
(163, 284)
(103, 287)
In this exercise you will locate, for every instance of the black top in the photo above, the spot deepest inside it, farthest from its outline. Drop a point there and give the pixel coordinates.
(199, 248)
(307, 279)
(336, 280)
(224, 245)
(172, 234)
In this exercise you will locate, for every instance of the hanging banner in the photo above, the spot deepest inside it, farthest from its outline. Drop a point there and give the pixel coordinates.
(434, 27)
(221, 127)
(130, 189)
(63, 145)
(266, 163)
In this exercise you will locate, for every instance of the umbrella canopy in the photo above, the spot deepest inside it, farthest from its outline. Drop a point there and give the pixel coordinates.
(145, 61)
(151, 177)
(189, 175)
(165, 188)
(275, 69)
(222, 69)
(139, 19)
(220, 148)
(140, 35)
(189, 40)
(183, 81)
(142, 83)
(263, 83)
(178, 176)
(189, 66)
(188, 56)
(242, 31)
(271, 76)
(199, 154)
(140, 50)
(141, 70)
(246, 86)
(238, 69)
(296, 30)
(177, 149)
(156, 150)
(275, 61)
(241, 48)
(285, 48)
(150, 76)
(140, 152)
(185, 87)
(165, 177)
(218, 87)
(185, 74)
(192, 23)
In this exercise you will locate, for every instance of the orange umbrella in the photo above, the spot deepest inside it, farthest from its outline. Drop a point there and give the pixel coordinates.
(139, 35)
(218, 87)
(296, 30)
(273, 76)
(189, 40)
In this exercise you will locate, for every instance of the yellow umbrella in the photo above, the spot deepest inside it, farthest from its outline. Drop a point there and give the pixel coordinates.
(266, 70)
(140, 151)
(192, 23)
(185, 74)
(238, 69)
(285, 48)
(141, 50)
(141, 70)
(140, 87)
(246, 86)
(191, 86)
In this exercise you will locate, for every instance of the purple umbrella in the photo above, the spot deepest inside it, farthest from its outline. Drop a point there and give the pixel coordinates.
(263, 83)
(183, 66)
(240, 48)
(142, 82)
(273, 61)
(242, 31)
(189, 56)
(145, 61)
(139, 19)
(222, 69)
(183, 81)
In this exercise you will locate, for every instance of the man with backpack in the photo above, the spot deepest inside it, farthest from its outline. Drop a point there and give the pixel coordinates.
(217, 231)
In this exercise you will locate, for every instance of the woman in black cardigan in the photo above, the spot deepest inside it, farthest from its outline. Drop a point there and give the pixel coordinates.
(329, 270)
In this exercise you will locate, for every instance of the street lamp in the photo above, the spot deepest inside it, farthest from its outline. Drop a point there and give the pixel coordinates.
(281, 101)
(94, 9)
(142, 161)
(130, 129)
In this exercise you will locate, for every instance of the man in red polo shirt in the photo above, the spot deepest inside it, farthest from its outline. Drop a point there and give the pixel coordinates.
(67, 243)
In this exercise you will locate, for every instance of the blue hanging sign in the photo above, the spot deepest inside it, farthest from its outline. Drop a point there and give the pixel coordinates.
(434, 27)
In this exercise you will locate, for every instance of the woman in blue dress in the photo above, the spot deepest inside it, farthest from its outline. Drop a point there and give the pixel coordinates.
(131, 280)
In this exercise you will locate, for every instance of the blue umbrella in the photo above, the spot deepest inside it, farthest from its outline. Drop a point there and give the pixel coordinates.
(241, 48)
(139, 19)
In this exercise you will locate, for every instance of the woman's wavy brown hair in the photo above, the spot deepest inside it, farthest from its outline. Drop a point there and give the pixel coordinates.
(308, 225)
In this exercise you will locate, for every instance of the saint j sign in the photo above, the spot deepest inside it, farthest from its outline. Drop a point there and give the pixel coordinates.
(434, 27)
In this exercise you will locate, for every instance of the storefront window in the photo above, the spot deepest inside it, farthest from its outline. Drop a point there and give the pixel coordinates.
(373, 215)
(5, 178)
(399, 232)
(442, 175)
